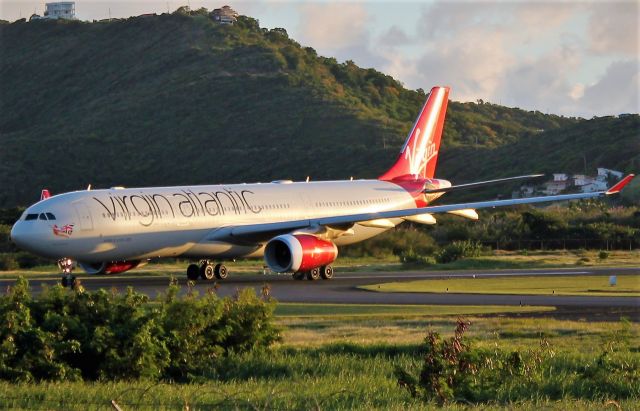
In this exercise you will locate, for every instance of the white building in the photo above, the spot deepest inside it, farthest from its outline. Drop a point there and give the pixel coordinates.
(224, 15)
(580, 180)
(60, 10)
(604, 173)
(595, 186)
(560, 177)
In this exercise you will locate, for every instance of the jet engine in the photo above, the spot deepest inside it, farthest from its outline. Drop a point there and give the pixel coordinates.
(298, 253)
(111, 267)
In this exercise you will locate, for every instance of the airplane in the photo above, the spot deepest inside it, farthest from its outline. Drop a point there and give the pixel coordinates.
(295, 226)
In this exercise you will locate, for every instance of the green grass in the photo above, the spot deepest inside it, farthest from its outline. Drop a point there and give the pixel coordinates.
(596, 285)
(372, 310)
(339, 374)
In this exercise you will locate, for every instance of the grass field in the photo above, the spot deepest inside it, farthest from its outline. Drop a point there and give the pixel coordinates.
(369, 310)
(335, 371)
(595, 285)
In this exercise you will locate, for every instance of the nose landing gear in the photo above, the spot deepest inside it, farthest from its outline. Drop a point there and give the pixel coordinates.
(67, 265)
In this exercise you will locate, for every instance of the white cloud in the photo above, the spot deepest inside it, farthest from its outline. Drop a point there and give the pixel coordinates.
(333, 25)
(617, 90)
(614, 28)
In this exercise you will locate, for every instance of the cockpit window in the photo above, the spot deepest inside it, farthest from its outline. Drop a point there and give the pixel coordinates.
(43, 217)
(31, 217)
(51, 216)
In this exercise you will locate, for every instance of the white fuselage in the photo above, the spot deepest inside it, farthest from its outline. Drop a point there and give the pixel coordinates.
(140, 223)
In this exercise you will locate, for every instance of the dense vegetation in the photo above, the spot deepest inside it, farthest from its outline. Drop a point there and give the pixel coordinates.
(521, 364)
(453, 370)
(78, 335)
(179, 99)
(584, 224)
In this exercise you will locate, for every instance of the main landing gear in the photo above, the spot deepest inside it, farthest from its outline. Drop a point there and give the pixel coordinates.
(67, 266)
(207, 271)
(325, 272)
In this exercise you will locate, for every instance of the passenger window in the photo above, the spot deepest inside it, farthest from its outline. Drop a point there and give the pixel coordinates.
(51, 216)
(43, 217)
(31, 217)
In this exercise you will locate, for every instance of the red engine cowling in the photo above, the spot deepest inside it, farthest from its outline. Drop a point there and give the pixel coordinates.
(111, 267)
(300, 252)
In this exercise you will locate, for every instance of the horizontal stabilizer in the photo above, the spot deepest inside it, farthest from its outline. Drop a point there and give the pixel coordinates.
(480, 184)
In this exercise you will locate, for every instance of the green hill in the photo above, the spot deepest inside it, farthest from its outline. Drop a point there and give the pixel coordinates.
(179, 99)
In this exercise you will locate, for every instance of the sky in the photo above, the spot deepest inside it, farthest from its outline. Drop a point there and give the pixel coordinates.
(575, 58)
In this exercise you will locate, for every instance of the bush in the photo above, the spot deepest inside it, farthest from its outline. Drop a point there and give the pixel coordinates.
(603, 255)
(411, 257)
(102, 335)
(28, 260)
(458, 250)
(8, 262)
(452, 370)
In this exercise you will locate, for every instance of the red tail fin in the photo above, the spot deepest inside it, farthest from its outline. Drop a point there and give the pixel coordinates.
(44, 194)
(419, 155)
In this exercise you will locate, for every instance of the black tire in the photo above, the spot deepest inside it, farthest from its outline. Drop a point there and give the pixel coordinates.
(64, 281)
(298, 276)
(326, 272)
(313, 274)
(193, 272)
(221, 272)
(207, 272)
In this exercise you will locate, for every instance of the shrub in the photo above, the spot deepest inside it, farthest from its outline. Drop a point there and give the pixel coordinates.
(411, 257)
(73, 334)
(603, 255)
(457, 250)
(8, 262)
(453, 370)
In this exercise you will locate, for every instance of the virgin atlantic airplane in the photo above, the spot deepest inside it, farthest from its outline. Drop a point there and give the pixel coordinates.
(296, 226)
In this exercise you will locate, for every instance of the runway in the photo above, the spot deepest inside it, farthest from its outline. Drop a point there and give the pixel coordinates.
(343, 288)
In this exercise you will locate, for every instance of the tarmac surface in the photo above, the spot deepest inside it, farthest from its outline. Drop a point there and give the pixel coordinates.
(343, 287)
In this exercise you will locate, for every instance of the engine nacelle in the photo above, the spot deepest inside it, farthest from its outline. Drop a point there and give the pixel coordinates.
(111, 267)
(300, 252)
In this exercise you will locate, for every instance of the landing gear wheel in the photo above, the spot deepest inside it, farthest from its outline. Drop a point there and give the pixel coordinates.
(193, 272)
(68, 280)
(314, 274)
(326, 272)
(298, 276)
(221, 272)
(206, 272)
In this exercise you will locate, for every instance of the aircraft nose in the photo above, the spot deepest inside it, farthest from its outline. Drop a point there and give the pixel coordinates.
(18, 235)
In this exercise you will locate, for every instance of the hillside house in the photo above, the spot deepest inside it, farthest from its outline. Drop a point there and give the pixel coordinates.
(604, 173)
(224, 15)
(580, 180)
(60, 10)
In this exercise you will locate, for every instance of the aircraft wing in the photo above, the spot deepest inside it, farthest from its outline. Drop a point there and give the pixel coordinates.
(263, 232)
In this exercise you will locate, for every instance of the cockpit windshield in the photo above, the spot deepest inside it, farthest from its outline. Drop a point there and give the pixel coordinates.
(41, 216)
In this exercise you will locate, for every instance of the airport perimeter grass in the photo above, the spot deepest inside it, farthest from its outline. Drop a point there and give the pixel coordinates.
(593, 285)
(334, 372)
(372, 310)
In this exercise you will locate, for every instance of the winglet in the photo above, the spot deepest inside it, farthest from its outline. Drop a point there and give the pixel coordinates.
(44, 194)
(620, 185)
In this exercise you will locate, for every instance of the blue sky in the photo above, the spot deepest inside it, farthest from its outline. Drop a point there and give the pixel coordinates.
(574, 58)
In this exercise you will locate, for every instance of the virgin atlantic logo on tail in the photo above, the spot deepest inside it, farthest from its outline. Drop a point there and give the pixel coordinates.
(64, 231)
